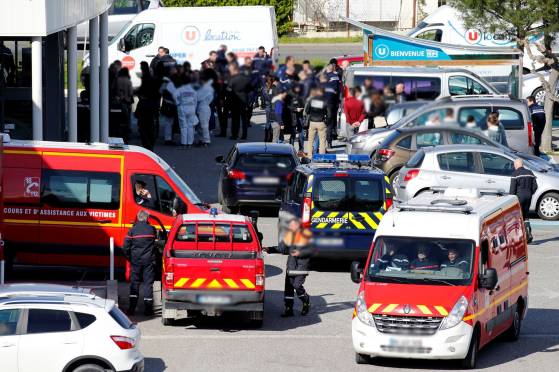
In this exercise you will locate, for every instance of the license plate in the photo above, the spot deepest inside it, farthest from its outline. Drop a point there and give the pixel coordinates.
(330, 242)
(266, 180)
(214, 300)
(405, 342)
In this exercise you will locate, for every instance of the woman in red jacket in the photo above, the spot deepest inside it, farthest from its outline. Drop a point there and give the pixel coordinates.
(354, 111)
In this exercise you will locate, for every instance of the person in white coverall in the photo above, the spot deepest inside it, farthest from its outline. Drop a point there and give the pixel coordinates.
(185, 97)
(205, 96)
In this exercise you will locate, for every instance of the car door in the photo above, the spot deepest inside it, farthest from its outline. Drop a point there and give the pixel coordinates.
(292, 201)
(9, 339)
(51, 339)
(224, 186)
(496, 171)
(457, 169)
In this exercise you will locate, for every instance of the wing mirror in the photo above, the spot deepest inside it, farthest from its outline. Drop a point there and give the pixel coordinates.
(122, 45)
(489, 280)
(356, 272)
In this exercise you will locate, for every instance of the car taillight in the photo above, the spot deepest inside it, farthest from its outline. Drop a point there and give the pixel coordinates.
(385, 154)
(530, 134)
(170, 278)
(389, 203)
(235, 174)
(306, 218)
(259, 280)
(341, 174)
(411, 174)
(123, 342)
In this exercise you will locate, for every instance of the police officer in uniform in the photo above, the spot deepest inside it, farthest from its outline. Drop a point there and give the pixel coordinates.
(538, 118)
(523, 184)
(297, 242)
(139, 249)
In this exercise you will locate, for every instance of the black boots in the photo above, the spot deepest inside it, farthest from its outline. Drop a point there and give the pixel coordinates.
(306, 306)
(148, 307)
(529, 236)
(132, 306)
(288, 312)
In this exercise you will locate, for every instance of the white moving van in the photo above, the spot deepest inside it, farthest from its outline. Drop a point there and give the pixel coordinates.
(191, 33)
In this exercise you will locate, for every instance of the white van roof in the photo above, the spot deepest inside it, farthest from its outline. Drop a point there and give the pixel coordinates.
(442, 15)
(213, 14)
(363, 70)
(456, 213)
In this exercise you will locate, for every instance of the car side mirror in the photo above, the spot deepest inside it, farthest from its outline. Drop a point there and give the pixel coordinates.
(489, 280)
(219, 159)
(356, 272)
(305, 160)
(122, 45)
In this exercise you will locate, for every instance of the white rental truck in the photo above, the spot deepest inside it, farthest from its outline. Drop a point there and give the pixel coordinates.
(190, 33)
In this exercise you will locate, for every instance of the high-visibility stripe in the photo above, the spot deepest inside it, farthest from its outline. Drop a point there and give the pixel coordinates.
(321, 225)
(337, 226)
(389, 308)
(333, 214)
(181, 282)
(369, 220)
(231, 283)
(424, 309)
(387, 191)
(378, 215)
(497, 300)
(318, 214)
(215, 284)
(387, 179)
(247, 283)
(374, 307)
(198, 282)
(441, 310)
(356, 223)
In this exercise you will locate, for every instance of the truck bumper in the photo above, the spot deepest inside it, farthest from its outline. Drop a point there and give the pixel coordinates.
(192, 300)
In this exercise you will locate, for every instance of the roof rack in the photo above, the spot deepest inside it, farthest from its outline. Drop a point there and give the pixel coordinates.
(471, 96)
(439, 205)
(32, 294)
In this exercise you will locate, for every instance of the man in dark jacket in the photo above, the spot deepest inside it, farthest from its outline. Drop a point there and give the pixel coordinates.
(316, 110)
(523, 184)
(139, 249)
(298, 243)
(538, 119)
(239, 88)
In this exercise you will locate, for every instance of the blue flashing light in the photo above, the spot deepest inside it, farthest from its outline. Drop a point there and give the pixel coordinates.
(213, 212)
(330, 158)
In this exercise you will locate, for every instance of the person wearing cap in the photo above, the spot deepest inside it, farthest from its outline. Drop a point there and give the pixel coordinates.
(454, 260)
(139, 250)
(423, 262)
(297, 242)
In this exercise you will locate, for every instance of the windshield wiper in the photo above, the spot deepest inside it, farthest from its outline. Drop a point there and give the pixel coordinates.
(437, 281)
(390, 278)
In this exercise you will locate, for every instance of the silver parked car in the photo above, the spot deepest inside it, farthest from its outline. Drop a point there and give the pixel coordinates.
(476, 166)
(514, 116)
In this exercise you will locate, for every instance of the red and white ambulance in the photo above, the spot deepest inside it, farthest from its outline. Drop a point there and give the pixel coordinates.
(64, 201)
(446, 274)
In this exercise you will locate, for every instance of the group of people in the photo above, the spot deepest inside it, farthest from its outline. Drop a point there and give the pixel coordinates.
(394, 260)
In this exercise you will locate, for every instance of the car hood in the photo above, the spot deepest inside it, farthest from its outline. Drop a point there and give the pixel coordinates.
(372, 134)
(411, 299)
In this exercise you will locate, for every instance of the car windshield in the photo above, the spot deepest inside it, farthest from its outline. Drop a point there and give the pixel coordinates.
(421, 261)
(273, 162)
(348, 194)
(119, 35)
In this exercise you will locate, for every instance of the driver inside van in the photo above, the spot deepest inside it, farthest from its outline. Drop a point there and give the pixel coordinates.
(142, 194)
(454, 260)
(393, 261)
(423, 262)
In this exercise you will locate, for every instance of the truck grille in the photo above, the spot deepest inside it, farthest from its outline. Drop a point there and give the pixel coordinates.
(406, 349)
(407, 325)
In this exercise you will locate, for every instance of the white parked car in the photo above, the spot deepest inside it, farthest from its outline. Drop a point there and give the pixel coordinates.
(52, 329)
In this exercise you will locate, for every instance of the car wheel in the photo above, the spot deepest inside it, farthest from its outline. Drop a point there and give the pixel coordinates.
(548, 207)
(470, 361)
(89, 368)
(362, 358)
(513, 332)
(539, 95)
(394, 179)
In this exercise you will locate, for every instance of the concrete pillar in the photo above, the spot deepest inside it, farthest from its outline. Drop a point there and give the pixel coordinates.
(37, 87)
(72, 60)
(104, 74)
(94, 79)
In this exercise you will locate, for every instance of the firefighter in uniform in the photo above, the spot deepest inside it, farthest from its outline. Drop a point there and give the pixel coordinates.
(298, 243)
(523, 184)
(139, 249)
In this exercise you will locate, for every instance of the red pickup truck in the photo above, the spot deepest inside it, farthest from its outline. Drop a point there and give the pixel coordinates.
(212, 263)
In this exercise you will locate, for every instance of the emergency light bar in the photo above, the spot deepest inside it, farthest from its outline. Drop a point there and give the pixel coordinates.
(331, 158)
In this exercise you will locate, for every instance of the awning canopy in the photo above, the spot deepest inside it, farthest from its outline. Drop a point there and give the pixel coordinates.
(19, 18)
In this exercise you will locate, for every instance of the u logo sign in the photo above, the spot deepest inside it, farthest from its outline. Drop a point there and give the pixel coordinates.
(191, 35)
(473, 36)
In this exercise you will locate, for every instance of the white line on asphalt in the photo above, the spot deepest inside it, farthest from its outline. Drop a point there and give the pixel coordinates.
(267, 336)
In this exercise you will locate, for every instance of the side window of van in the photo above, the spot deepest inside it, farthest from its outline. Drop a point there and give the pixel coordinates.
(511, 119)
(139, 36)
(463, 85)
(418, 88)
(162, 194)
(76, 189)
(434, 35)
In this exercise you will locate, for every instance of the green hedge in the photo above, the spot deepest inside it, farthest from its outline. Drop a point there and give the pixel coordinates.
(284, 9)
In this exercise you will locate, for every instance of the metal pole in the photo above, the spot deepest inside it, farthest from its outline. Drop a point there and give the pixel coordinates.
(37, 87)
(94, 79)
(104, 73)
(112, 259)
(72, 40)
(347, 16)
(2, 268)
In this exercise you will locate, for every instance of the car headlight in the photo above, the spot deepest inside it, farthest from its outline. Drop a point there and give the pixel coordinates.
(363, 313)
(456, 315)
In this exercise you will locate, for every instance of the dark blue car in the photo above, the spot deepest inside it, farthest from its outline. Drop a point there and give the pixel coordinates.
(255, 174)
